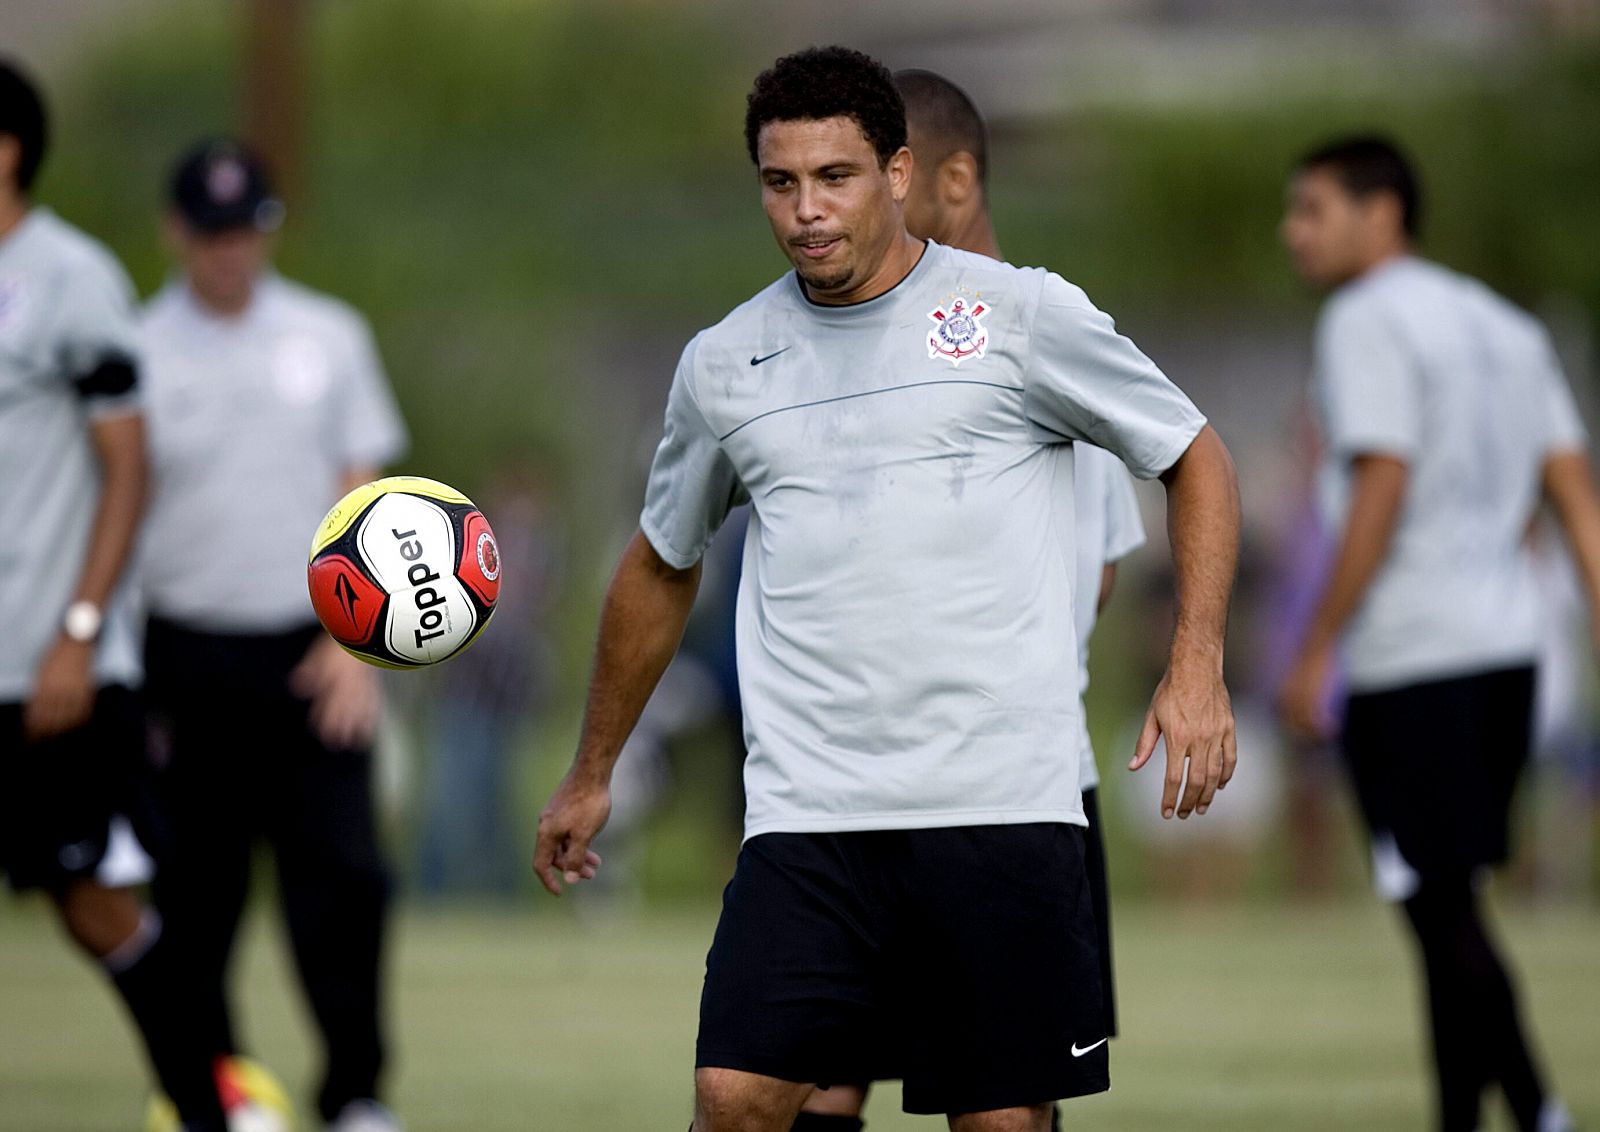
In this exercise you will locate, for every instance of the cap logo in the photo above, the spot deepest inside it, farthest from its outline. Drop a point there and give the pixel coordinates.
(227, 180)
(957, 334)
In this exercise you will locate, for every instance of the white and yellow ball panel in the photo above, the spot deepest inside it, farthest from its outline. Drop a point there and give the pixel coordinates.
(349, 509)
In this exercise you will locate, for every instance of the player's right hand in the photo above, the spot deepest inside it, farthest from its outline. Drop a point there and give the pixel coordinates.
(575, 814)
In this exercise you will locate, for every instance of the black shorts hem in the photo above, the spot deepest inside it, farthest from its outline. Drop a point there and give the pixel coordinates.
(765, 1065)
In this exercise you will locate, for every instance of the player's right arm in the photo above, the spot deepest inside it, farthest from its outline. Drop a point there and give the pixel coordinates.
(646, 608)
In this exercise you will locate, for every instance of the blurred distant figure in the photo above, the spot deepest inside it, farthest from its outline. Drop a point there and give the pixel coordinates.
(481, 701)
(72, 483)
(1296, 568)
(1566, 739)
(1446, 419)
(267, 402)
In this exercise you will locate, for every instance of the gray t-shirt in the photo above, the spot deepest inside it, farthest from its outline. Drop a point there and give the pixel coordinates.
(254, 421)
(1416, 361)
(66, 310)
(907, 655)
(1107, 530)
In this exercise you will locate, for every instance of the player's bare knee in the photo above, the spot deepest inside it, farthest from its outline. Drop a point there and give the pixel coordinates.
(1033, 1118)
(730, 1100)
(97, 918)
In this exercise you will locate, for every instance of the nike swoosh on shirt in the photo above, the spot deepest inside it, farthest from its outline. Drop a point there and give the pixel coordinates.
(1076, 1052)
(755, 361)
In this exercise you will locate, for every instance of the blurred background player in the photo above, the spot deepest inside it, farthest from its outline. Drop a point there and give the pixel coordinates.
(1446, 419)
(266, 402)
(72, 484)
(948, 202)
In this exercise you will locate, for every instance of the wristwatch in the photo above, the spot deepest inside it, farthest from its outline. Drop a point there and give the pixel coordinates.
(82, 622)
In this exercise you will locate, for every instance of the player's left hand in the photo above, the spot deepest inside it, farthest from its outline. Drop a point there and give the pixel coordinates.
(63, 691)
(574, 816)
(1191, 708)
(344, 694)
(1303, 699)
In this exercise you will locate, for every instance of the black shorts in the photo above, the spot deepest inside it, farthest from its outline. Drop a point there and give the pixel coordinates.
(59, 795)
(1435, 766)
(964, 958)
(1094, 867)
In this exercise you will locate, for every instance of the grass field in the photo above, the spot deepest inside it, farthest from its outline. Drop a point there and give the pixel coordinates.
(1241, 1018)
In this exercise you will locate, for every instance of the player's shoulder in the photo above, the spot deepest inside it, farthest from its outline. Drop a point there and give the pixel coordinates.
(73, 253)
(309, 307)
(732, 331)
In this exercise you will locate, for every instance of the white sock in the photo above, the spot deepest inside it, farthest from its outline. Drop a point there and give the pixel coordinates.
(1554, 1117)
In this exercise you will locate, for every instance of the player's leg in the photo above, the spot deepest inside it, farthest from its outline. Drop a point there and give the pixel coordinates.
(999, 975)
(1033, 1118)
(208, 801)
(793, 979)
(335, 892)
(729, 1100)
(1435, 767)
(56, 814)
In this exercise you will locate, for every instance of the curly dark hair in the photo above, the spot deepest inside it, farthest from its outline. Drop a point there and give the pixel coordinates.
(829, 82)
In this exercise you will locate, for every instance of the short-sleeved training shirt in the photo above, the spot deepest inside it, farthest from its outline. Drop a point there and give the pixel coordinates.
(254, 422)
(906, 646)
(1419, 362)
(68, 356)
(1108, 530)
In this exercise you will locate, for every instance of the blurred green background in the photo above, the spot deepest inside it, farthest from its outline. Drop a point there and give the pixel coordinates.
(537, 203)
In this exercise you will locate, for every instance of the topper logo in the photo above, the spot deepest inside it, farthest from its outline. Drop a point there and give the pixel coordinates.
(419, 574)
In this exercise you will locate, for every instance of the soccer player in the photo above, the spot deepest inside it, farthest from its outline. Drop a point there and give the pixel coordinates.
(1446, 420)
(948, 202)
(72, 482)
(266, 403)
(898, 413)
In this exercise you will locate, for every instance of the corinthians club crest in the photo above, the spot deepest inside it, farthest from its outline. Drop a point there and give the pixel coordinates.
(957, 334)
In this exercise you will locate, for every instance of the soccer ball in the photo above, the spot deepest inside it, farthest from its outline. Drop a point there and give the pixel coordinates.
(252, 1100)
(404, 572)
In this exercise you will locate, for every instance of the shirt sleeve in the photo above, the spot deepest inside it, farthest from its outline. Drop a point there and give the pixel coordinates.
(1368, 385)
(372, 433)
(693, 484)
(1124, 526)
(1564, 430)
(1087, 382)
(99, 339)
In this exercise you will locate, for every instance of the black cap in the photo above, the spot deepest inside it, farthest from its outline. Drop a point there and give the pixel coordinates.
(219, 184)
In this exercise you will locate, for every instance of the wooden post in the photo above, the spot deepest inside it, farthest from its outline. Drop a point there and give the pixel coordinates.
(273, 88)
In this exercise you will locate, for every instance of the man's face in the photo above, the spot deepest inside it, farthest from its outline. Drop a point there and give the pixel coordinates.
(1329, 232)
(834, 211)
(222, 266)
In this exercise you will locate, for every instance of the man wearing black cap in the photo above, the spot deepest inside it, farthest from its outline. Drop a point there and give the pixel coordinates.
(72, 474)
(266, 403)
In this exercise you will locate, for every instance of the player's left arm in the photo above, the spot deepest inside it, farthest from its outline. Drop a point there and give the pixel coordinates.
(346, 697)
(1191, 707)
(63, 691)
(1377, 493)
(1568, 484)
